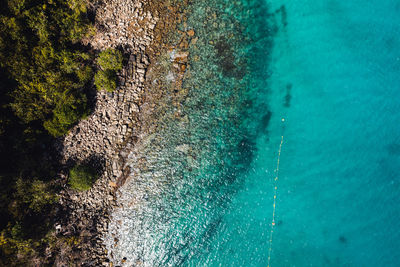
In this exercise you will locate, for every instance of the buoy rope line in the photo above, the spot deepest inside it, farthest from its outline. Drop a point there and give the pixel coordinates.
(275, 194)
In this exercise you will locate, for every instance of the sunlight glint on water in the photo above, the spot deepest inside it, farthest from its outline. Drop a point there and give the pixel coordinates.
(205, 195)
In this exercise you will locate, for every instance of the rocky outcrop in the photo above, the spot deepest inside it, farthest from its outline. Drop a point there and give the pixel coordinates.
(106, 137)
(126, 25)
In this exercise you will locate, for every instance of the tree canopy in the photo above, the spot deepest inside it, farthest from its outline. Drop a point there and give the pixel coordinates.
(44, 75)
(39, 48)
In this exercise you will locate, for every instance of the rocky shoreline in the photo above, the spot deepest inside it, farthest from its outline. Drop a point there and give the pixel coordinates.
(140, 28)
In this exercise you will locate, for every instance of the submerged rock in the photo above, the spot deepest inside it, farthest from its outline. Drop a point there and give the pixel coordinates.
(183, 148)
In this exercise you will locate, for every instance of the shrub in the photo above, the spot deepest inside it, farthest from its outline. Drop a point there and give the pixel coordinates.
(67, 112)
(81, 177)
(110, 59)
(110, 62)
(106, 80)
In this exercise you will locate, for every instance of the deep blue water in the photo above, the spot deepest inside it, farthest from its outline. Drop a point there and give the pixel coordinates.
(331, 69)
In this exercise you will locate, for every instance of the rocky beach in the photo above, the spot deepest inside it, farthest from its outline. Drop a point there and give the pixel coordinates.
(141, 29)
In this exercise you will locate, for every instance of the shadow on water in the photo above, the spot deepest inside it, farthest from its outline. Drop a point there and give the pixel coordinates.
(246, 151)
(226, 60)
(288, 96)
(342, 239)
(394, 149)
(264, 123)
(282, 11)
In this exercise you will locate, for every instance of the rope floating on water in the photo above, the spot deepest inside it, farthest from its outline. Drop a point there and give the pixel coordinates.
(275, 194)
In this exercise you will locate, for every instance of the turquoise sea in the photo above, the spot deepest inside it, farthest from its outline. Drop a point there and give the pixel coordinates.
(205, 197)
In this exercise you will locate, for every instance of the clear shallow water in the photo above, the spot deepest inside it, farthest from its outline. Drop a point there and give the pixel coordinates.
(331, 69)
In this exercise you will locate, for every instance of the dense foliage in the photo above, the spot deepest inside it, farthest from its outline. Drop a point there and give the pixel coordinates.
(39, 49)
(110, 62)
(27, 232)
(44, 75)
(81, 177)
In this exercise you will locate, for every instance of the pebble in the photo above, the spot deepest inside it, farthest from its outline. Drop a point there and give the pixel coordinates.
(191, 33)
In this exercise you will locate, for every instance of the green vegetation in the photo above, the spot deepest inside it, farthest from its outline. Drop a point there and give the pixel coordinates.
(34, 195)
(110, 63)
(82, 177)
(25, 232)
(39, 49)
(45, 74)
(105, 80)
